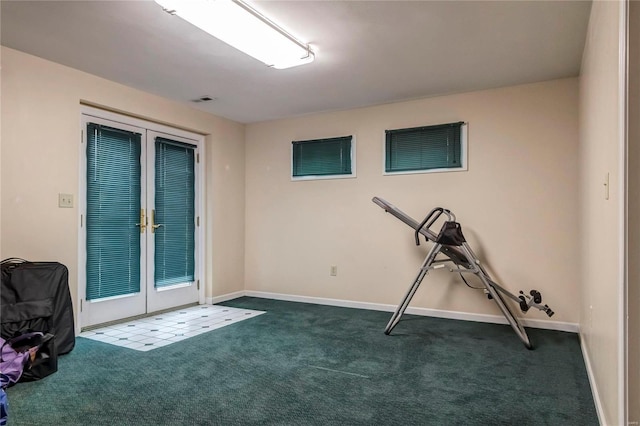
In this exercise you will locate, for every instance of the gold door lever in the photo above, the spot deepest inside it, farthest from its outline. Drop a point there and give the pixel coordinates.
(154, 226)
(143, 222)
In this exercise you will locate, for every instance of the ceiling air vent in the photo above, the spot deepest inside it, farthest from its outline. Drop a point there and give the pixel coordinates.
(204, 99)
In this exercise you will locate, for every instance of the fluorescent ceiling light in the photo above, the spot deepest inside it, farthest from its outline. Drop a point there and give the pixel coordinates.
(240, 26)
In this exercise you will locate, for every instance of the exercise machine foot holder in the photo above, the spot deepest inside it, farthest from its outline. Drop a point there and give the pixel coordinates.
(451, 244)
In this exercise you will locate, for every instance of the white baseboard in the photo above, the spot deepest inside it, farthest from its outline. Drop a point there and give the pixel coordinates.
(438, 313)
(224, 297)
(592, 381)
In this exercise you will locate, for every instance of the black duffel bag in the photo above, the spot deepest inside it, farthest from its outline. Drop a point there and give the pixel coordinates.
(42, 360)
(35, 297)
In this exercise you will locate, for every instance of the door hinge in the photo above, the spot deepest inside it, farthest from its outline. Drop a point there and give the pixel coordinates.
(81, 136)
(198, 221)
(198, 284)
(198, 158)
(81, 221)
(80, 305)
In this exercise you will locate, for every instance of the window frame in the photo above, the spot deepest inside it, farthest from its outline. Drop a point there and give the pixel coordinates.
(325, 177)
(463, 153)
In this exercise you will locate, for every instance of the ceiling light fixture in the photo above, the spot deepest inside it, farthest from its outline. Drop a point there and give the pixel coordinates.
(242, 27)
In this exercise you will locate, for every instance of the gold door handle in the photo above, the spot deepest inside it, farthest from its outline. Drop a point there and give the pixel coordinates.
(154, 226)
(143, 222)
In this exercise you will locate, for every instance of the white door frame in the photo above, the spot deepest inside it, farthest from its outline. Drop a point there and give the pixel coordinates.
(129, 304)
(181, 294)
(197, 139)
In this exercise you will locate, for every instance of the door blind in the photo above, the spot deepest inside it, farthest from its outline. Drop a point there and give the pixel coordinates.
(322, 157)
(423, 148)
(113, 211)
(174, 212)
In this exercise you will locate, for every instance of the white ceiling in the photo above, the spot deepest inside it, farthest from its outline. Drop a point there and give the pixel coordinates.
(367, 52)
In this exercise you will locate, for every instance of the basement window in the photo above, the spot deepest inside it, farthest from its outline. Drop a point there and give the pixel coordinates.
(426, 149)
(330, 158)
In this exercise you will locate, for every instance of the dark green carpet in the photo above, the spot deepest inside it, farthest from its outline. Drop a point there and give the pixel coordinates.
(304, 364)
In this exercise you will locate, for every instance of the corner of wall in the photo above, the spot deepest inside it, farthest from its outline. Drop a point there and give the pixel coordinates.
(594, 386)
(601, 215)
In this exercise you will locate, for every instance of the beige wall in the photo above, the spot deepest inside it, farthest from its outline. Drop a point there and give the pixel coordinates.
(517, 203)
(40, 158)
(600, 218)
(1, 74)
(1, 94)
(633, 188)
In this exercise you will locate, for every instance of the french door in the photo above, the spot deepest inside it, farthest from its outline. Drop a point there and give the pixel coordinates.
(139, 220)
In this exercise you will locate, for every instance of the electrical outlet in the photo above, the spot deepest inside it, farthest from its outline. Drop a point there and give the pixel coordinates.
(334, 270)
(65, 200)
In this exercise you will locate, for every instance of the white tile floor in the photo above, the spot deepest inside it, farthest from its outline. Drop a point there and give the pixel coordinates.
(164, 329)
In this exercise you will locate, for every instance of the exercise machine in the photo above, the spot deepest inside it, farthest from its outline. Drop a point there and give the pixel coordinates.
(450, 247)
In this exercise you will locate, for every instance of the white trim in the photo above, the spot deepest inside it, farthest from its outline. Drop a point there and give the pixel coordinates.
(174, 286)
(202, 215)
(224, 297)
(594, 387)
(418, 172)
(106, 299)
(464, 155)
(139, 122)
(144, 125)
(156, 301)
(81, 203)
(131, 304)
(437, 313)
(324, 177)
(351, 175)
(623, 412)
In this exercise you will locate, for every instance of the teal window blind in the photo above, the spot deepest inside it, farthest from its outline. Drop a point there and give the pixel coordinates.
(322, 157)
(424, 148)
(175, 211)
(113, 210)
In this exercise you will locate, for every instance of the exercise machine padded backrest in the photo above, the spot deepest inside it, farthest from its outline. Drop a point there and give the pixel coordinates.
(450, 234)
